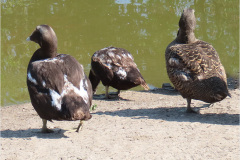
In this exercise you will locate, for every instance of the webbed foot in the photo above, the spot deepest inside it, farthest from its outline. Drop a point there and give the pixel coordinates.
(44, 127)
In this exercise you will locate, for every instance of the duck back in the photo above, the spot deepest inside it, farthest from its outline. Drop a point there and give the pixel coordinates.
(196, 71)
(115, 67)
(59, 89)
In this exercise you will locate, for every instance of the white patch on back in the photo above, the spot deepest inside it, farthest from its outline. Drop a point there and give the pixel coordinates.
(117, 64)
(183, 76)
(173, 62)
(121, 73)
(56, 99)
(108, 65)
(130, 56)
(119, 57)
(200, 77)
(82, 92)
(68, 88)
(111, 54)
(109, 61)
(53, 60)
(112, 49)
(124, 55)
(31, 79)
(44, 83)
(102, 56)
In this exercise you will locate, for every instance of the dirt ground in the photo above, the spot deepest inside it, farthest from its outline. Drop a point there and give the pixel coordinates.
(139, 125)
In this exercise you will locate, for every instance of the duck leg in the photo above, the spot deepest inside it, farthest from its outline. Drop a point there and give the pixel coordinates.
(118, 93)
(80, 126)
(75, 129)
(44, 127)
(189, 109)
(106, 93)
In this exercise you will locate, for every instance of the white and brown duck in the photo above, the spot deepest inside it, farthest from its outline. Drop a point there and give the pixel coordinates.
(115, 67)
(57, 85)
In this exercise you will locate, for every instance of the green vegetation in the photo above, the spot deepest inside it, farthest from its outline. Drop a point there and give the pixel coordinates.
(93, 107)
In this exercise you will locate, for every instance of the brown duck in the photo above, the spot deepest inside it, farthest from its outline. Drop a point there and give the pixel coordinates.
(193, 66)
(115, 67)
(57, 85)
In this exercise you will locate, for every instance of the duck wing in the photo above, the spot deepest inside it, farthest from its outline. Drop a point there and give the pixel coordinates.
(115, 65)
(197, 60)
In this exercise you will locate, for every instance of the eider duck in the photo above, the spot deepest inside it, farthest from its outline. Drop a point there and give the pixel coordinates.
(57, 85)
(193, 66)
(115, 67)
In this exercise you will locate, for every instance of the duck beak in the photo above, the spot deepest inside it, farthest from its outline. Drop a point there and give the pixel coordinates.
(28, 39)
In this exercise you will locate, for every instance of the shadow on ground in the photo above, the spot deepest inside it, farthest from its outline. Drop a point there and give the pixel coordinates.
(175, 114)
(57, 134)
(115, 97)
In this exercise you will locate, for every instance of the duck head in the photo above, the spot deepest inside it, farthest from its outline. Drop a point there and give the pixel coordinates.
(187, 24)
(46, 38)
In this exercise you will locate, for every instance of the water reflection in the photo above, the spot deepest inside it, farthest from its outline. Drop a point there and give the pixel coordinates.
(123, 2)
(142, 27)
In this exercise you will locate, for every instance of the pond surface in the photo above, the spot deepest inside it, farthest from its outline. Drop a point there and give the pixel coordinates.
(143, 27)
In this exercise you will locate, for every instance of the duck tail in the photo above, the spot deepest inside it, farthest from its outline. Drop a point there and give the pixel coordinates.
(145, 86)
(142, 82)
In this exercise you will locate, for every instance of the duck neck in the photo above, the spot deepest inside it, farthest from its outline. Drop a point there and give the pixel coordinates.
(49, 49)
(186, 37)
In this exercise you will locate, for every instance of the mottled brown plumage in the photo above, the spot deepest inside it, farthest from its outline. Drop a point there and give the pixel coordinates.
(193, 66)
(115, 67)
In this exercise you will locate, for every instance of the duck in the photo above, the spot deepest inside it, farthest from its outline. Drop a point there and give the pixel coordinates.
(193, 66)
(57, 85)
(115, 67)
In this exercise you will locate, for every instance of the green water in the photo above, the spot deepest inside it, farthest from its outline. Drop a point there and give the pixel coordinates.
(143, 27)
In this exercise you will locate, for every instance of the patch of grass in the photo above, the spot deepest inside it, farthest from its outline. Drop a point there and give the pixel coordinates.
(93, 107)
